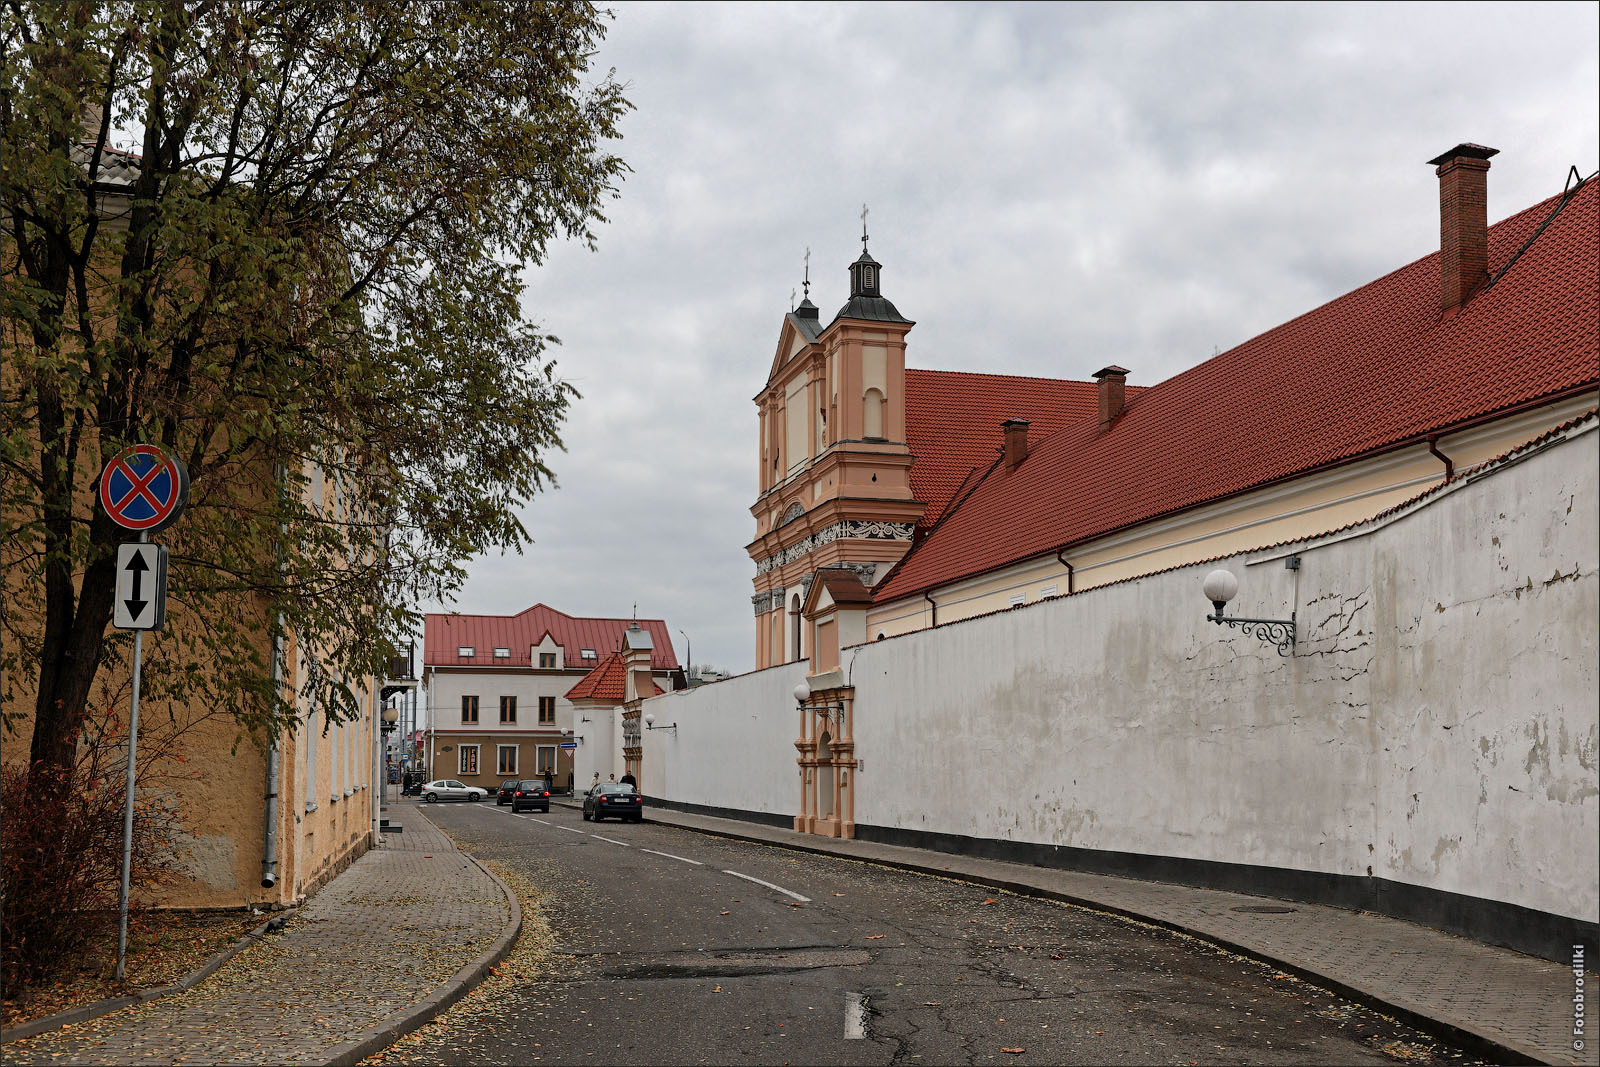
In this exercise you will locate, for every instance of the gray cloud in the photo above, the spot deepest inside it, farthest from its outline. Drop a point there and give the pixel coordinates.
(1052, 188)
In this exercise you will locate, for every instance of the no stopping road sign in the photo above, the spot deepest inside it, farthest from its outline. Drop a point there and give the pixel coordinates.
(143, 488)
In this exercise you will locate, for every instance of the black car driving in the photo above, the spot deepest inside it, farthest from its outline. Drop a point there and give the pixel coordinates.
(502, 796)
(613, 798)
(532, 794)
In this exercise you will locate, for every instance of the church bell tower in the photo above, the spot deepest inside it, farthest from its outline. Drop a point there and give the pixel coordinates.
(834, 470)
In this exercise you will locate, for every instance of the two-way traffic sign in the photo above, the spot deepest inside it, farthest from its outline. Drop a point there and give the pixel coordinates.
(141, 587)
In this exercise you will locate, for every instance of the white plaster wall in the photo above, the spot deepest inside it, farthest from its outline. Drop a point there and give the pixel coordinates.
(1437, 725)
(601, 747)
(734, 745)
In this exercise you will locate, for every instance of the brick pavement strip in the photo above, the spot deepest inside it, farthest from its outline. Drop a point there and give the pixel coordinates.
(1514, 1007)
(407, 930)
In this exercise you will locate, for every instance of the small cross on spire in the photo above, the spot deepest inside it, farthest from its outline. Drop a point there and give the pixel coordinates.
(863, 228)
(807, 282)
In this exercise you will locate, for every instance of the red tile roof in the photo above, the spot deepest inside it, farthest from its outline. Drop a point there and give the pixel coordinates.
(953, 424)
(606, 682)
(1374, 369)
(443, 634)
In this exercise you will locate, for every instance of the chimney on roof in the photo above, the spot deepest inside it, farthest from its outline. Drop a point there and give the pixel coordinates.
(1463, 222)
(1016, 434)
(1113, 383)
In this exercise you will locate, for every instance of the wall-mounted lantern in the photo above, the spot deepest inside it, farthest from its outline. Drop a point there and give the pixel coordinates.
(650, 723)
(1221, 586)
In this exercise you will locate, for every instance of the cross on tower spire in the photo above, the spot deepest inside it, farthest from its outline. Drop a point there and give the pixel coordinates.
(863, 229)
(807, 282)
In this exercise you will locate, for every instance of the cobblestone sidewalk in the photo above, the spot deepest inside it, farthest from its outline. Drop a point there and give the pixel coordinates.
(402, 933)
(1430, 979)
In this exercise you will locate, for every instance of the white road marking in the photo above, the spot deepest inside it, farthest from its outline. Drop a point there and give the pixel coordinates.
(612, 841)
(855, 1017)
(570, 830)
(769, 885)
(670, 856)
(541, 822)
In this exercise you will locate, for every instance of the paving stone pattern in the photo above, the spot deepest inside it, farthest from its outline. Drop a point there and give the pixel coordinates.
(1515, 1000)
(378, 939)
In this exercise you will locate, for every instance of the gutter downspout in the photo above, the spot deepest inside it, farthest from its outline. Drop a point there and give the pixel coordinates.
(933, 611)
(1061, 555)
(1449, 467)
(380, 780)
(269, 843)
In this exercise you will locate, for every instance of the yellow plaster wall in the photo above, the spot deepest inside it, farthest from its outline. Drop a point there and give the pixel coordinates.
(1304, 507)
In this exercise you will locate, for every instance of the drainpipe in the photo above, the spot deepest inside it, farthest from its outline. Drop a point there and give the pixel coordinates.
(380, 780)
(269, 843)
(1061, 558)
(933, 611)
(1449, 467)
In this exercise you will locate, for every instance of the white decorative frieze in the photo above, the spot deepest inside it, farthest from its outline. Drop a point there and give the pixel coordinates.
(864, 530)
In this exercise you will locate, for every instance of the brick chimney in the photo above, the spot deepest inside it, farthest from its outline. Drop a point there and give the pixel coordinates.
(1463, 222)
(1113, 381)
(1016, 433)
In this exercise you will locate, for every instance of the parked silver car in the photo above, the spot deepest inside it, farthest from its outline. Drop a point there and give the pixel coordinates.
(450, 789)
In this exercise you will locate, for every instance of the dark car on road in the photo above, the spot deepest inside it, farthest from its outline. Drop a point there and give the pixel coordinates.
(503, 796)
(613, 798)
(532, 794)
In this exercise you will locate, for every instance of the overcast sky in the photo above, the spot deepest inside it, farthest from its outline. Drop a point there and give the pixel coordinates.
(1052, 189)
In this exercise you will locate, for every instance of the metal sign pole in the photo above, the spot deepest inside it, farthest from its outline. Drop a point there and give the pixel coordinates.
(127, 811)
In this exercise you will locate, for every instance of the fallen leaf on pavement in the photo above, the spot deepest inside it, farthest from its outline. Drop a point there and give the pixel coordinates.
(1013, 1051)
(989, 900)
(876, 937)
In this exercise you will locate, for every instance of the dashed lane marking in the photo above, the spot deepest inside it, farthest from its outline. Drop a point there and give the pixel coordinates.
(670, 856)
(769, 885)
(612, 841)
(570, 830)
(855, 1017)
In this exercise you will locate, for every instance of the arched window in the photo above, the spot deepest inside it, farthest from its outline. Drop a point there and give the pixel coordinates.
(795, 621)
(872, 415)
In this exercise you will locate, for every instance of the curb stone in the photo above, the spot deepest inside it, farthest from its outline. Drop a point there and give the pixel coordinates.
(424, 1011)
(1495, 1049)
(85, 1012)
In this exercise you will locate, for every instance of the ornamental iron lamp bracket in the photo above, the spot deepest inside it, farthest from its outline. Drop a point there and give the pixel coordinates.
(1221, 586)
(650, 724)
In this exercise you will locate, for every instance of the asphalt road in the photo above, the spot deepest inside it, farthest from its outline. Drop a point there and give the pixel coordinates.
(676, 947)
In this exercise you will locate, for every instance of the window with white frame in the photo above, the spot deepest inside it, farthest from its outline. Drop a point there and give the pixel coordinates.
(468, 760)
(587, 653)
(466, 651)
(502, 652)
(506, 760)
(1020, 598)
(1048, 590)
